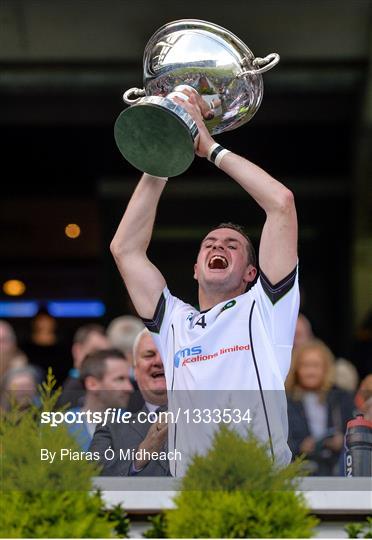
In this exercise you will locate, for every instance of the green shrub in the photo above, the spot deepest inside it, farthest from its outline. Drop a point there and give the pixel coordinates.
(235, 492)
(360, 530)
(50, 514)
(39, 499)
(158, 527)
(119, 520)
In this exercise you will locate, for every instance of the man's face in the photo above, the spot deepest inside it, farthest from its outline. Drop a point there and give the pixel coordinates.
(94, 342)
(149, 372)
(114, 388)
(222, 263)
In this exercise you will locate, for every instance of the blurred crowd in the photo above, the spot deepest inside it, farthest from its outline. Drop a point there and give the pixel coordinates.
(324, 393)
(119, 366)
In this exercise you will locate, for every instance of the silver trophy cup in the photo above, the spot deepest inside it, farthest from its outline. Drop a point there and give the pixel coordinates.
(156, 135)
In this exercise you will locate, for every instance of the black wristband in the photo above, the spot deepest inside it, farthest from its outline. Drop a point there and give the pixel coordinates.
(215, 153)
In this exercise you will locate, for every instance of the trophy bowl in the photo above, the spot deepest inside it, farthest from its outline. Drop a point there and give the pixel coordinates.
(158, 136)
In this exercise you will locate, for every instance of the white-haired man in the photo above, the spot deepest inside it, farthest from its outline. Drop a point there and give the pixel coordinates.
(140, 435)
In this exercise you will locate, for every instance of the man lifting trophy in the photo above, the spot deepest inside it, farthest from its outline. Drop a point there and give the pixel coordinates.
(156, 135)
(201, 80)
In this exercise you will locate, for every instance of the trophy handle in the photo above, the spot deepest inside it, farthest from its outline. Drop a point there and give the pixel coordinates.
(139, 92)
(263, 64)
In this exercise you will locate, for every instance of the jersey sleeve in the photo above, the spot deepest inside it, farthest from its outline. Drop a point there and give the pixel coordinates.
(279, 305)
(160, 325)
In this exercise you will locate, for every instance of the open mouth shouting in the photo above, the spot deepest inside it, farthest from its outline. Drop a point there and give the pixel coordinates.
(218, 262)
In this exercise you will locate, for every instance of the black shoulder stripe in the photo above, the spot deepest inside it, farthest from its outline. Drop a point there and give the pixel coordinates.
(154, 324)
(277, 291)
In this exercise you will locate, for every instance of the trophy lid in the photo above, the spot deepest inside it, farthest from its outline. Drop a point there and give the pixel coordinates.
(194, 42)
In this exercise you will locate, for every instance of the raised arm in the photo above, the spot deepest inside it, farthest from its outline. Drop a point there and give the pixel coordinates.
(129, 246)
(278, 246)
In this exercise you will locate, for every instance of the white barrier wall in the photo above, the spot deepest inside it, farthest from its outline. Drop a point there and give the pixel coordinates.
(332, 496)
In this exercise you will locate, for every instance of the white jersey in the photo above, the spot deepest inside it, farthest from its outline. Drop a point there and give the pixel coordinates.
(243, 344)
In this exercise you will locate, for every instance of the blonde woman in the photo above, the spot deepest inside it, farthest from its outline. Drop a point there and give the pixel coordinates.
(317, 410)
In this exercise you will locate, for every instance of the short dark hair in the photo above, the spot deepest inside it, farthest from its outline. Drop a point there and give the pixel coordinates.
(82, 333)
(252, 259)
(94, 364)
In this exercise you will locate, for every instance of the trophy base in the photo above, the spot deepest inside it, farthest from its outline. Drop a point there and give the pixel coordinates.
(156, 136)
